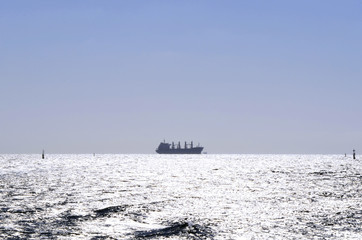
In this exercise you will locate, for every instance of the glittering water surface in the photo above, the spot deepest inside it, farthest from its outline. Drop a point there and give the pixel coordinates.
(180, 197)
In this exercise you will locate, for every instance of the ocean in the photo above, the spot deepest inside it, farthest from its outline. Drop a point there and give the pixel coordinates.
(180, 196)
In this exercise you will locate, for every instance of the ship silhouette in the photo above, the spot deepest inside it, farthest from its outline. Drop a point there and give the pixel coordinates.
(171, 148)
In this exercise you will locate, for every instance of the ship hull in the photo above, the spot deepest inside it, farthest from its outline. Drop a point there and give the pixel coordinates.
(196, 150)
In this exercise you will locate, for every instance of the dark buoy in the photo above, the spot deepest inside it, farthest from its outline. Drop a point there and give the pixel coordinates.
(42, 155)
(354, 154)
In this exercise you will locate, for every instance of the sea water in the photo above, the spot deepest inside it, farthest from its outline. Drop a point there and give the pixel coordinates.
(180, 197)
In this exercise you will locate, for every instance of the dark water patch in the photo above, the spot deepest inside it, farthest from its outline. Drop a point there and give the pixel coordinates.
(67, 219)
(280, 172)
(137, 213)
(124, 190)
(125, 180)
(167, 231)
(28, 230)
(4, 209)
(22, 211)
(350, 221)
(110, 210)
(323, 173)
(73, 218)
(102, 238)
(182, 229)
(338, 195)
(46, 233)
(327, 194)
(62, 203)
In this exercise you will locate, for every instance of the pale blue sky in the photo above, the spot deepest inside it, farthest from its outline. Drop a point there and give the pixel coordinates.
(236, 76)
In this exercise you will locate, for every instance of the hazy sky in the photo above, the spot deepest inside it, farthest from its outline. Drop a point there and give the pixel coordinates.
(236, 76)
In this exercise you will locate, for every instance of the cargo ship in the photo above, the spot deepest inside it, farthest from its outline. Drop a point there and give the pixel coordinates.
(172, 148)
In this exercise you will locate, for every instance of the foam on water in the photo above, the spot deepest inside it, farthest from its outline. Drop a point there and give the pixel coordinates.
(180, 197)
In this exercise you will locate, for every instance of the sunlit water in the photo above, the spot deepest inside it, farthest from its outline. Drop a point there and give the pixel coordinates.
(180, 197)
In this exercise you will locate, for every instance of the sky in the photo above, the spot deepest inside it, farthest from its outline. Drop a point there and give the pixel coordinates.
(235, 76)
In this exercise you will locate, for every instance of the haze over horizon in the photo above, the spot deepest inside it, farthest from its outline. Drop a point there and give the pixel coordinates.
(235, 76)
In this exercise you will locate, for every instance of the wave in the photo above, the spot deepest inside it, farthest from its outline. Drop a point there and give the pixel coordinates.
(183, 228)
(109, 210)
